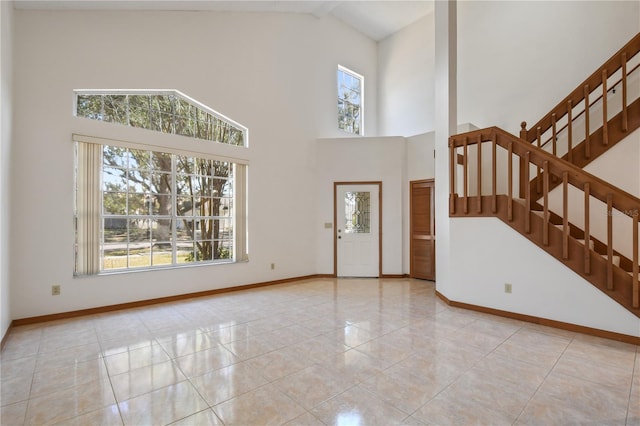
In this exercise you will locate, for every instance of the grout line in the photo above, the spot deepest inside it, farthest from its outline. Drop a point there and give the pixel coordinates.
(634, 371)
(545, 379)
(348, 301)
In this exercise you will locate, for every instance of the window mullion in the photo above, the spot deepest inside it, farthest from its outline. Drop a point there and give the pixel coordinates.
(127, 225)
(174, 212)
(127, 211)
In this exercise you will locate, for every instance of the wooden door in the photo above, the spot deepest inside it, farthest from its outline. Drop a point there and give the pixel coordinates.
(422, 230)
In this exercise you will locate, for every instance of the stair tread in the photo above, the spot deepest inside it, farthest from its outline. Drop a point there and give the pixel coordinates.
(591, 243)
(580, 240)
(615, 258)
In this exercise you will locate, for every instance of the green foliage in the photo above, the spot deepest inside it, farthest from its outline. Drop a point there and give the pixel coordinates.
(223, 253)
(165, 113)
(139, 182)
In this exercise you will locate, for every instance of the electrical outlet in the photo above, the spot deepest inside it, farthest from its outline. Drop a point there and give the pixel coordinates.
(55, 290)
(273, 266)
(507, 288)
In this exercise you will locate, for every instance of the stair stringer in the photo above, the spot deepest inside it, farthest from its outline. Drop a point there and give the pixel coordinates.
(490, 253)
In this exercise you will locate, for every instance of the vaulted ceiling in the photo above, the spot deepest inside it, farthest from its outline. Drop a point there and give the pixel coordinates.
(376, 19)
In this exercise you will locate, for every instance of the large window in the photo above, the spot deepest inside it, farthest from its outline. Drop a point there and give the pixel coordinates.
(350, 101)
(142, 207)
(167, 111)
(153, 209)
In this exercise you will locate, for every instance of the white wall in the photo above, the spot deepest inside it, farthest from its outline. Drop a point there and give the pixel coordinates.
(420, 157)
(395, 161)
(488, 254)
(619, 166)
(406, 84)
(516, 60)
(6, 142)
(274, 73)
(362, 159)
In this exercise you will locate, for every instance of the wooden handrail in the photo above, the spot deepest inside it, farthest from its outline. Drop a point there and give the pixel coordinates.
(598, 99)
(593, 81)
(577, 177)
(585, 256)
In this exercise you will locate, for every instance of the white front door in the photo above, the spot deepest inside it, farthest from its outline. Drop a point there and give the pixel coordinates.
(357, 230)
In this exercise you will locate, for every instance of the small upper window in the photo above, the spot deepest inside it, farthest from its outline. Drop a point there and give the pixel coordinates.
(350, 96)
(167, 111)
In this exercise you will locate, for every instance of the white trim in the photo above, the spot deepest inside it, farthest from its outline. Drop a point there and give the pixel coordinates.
(361, 78)
(89, 192)
(240, 190)
(136, 145)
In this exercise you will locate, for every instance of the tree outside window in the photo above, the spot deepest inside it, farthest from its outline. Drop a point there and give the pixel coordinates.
(350, 101)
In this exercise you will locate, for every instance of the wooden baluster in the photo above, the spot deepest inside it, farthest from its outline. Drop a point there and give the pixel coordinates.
(494, 197)
(625, 123)
(636, 291)
(554, 135)
(587, 143)
(605, 118)
(452, 176)
(587, 234)
(545, 216)
(610, 241)
(565, 215)
(479, 173)
(510, 183)
(527, 194)
(522, 182)
(465, 175)
(538, 179)
(570, 131)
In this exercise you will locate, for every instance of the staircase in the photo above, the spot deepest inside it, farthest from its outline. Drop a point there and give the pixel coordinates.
(545, 158)
(603, 99)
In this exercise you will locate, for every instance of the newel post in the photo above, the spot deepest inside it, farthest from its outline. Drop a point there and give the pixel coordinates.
(522, 181)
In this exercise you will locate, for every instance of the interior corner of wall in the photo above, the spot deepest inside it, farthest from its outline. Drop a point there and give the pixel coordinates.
(467, 127)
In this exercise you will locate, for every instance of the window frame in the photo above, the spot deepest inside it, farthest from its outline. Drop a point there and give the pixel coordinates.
(176, 219)
(88, 256)
(163, 92)
(360, 77)
(238, 200)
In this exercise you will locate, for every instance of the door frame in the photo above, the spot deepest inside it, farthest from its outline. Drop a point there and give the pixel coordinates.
(335, 221)
(431, 181)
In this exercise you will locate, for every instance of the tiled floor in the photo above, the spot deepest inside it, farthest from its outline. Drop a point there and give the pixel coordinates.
(343, 352)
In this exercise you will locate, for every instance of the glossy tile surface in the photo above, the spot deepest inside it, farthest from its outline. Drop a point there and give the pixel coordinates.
(314, 352)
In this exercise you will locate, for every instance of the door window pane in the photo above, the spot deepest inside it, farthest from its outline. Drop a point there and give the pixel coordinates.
(357, 207)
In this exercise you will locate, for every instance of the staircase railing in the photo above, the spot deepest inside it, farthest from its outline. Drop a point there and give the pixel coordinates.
(618, 202)
(616, 71)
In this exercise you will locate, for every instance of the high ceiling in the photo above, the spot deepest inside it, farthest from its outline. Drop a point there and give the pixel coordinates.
(376, 19)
